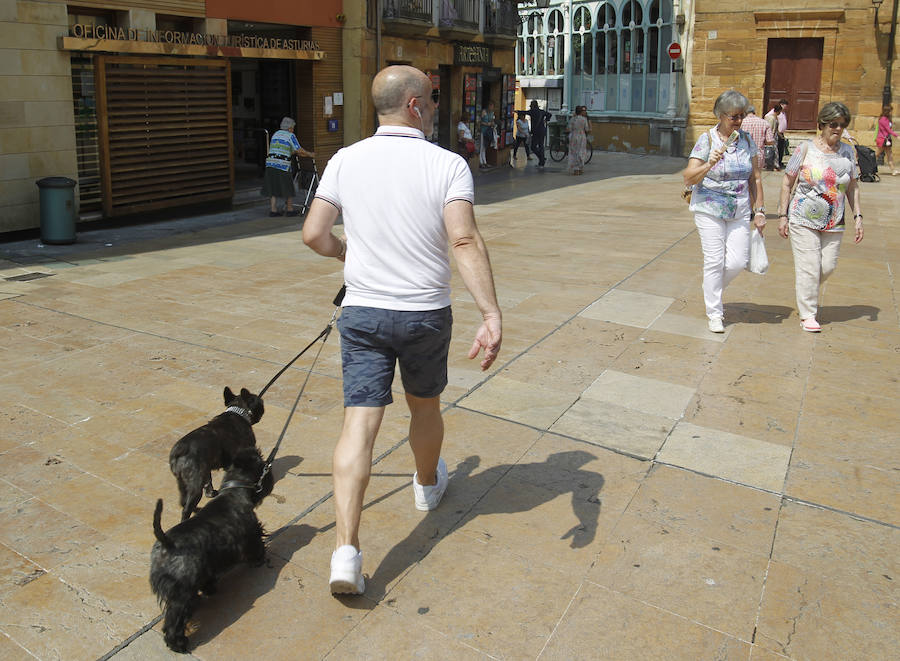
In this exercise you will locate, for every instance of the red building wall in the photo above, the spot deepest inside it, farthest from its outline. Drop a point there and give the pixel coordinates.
(316, 13)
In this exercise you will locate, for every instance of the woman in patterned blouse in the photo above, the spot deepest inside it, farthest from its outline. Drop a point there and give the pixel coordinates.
(826, 176)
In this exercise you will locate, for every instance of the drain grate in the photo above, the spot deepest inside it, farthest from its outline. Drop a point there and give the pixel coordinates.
(28, 276)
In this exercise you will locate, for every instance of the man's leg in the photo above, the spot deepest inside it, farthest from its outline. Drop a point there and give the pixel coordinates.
(352, 468)
(426, 435)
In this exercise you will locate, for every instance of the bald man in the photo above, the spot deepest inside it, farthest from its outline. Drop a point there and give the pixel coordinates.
(405, 204)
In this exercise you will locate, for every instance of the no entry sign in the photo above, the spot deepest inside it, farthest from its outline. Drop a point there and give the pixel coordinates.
(674, 50)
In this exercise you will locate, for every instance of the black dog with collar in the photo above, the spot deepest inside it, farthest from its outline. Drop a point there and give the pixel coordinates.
(214, 445)
(189, 557)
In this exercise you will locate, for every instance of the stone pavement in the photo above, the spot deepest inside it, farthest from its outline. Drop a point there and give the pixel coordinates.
(625, 485)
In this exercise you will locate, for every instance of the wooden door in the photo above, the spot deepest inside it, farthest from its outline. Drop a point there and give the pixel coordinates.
(794, 72)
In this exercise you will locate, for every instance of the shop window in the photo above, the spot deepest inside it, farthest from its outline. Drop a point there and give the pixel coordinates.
(165, 22)
(90, 16)
(530, 60)
(582, 45)
(87, 150)
(556, 43)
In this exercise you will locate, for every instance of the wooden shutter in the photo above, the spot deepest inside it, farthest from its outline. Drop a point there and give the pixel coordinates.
(165, 126)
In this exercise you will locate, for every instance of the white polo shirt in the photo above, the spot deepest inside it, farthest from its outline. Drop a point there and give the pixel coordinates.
(391, 190)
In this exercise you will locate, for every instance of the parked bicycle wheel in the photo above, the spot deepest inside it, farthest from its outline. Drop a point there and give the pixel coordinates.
(558, 149)
(590, 155)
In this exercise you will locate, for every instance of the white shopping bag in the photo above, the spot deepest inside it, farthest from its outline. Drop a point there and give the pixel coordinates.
(759, 260)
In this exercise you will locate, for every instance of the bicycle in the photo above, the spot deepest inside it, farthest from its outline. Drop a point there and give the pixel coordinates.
(559, 149)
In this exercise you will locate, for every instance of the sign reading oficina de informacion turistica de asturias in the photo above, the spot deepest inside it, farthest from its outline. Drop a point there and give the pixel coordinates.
(114, 33)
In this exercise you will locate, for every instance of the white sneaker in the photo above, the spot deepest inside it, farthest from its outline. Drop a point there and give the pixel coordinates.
(346, 571)
(428, 497)
(716, 325)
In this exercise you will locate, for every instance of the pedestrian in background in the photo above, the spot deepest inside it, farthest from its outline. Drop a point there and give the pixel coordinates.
(826, 177)
(405, 204)
(465, 145)
(486, 124)
(725, 173)
(760, 131)
(522, 135)
(781, 141)
(579, 127)
(884, 139)
(771, 118)
(539, 119)
(277, 181)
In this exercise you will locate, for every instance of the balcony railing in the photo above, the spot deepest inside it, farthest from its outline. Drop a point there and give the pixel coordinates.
(417, 10)
(460, 13)
(501, 18)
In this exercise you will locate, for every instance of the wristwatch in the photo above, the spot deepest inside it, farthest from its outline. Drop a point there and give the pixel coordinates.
(760, 210)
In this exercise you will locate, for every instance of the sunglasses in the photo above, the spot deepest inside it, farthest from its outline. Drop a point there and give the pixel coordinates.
(435, 96)
(834, 125)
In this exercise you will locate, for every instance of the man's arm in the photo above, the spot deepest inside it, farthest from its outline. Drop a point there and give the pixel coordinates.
(317, 230)
(474, 266)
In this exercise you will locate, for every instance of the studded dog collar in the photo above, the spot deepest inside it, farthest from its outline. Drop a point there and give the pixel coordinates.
(244, 413)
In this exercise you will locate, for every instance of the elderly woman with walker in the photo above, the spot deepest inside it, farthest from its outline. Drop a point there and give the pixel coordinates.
(278, 181)
(724, 172)
(818, 181)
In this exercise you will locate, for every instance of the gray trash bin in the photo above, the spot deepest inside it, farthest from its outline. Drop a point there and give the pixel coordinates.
(57, 195)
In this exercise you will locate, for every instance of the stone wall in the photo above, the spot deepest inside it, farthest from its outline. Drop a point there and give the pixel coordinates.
(728, 49)
(37, 123)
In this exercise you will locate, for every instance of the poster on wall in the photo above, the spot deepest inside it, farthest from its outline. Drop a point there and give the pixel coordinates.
(507, 106)
(554, 99)
(595, 99)
(470, 100)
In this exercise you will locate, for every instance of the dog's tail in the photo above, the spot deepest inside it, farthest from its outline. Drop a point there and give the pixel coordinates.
(157, 528)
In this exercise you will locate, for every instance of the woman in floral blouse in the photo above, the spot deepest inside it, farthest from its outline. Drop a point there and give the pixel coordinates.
(825, 175)
(724, 172)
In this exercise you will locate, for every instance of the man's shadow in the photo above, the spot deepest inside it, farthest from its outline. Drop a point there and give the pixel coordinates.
(560, 474)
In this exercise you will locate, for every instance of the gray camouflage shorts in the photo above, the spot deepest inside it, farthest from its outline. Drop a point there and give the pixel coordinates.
(373, 340)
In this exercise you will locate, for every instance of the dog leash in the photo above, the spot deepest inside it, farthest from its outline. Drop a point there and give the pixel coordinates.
(324, 337)
(325, 331)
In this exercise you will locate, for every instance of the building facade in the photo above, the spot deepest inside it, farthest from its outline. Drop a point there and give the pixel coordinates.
(613, 56)
(466, 46)
(809, 53)
(150, 104)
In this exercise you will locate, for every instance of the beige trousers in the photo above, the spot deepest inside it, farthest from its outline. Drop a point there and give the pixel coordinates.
(815, 258)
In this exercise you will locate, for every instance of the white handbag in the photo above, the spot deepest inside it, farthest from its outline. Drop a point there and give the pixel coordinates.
(759, 260)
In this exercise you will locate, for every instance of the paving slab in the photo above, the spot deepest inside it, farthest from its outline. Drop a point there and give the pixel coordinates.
(624, 484)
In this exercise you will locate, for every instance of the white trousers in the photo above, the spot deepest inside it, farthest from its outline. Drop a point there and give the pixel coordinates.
(815, 258)
(726, 251)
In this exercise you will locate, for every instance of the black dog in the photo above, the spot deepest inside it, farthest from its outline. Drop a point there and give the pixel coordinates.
(191, 555)
(213, 445)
